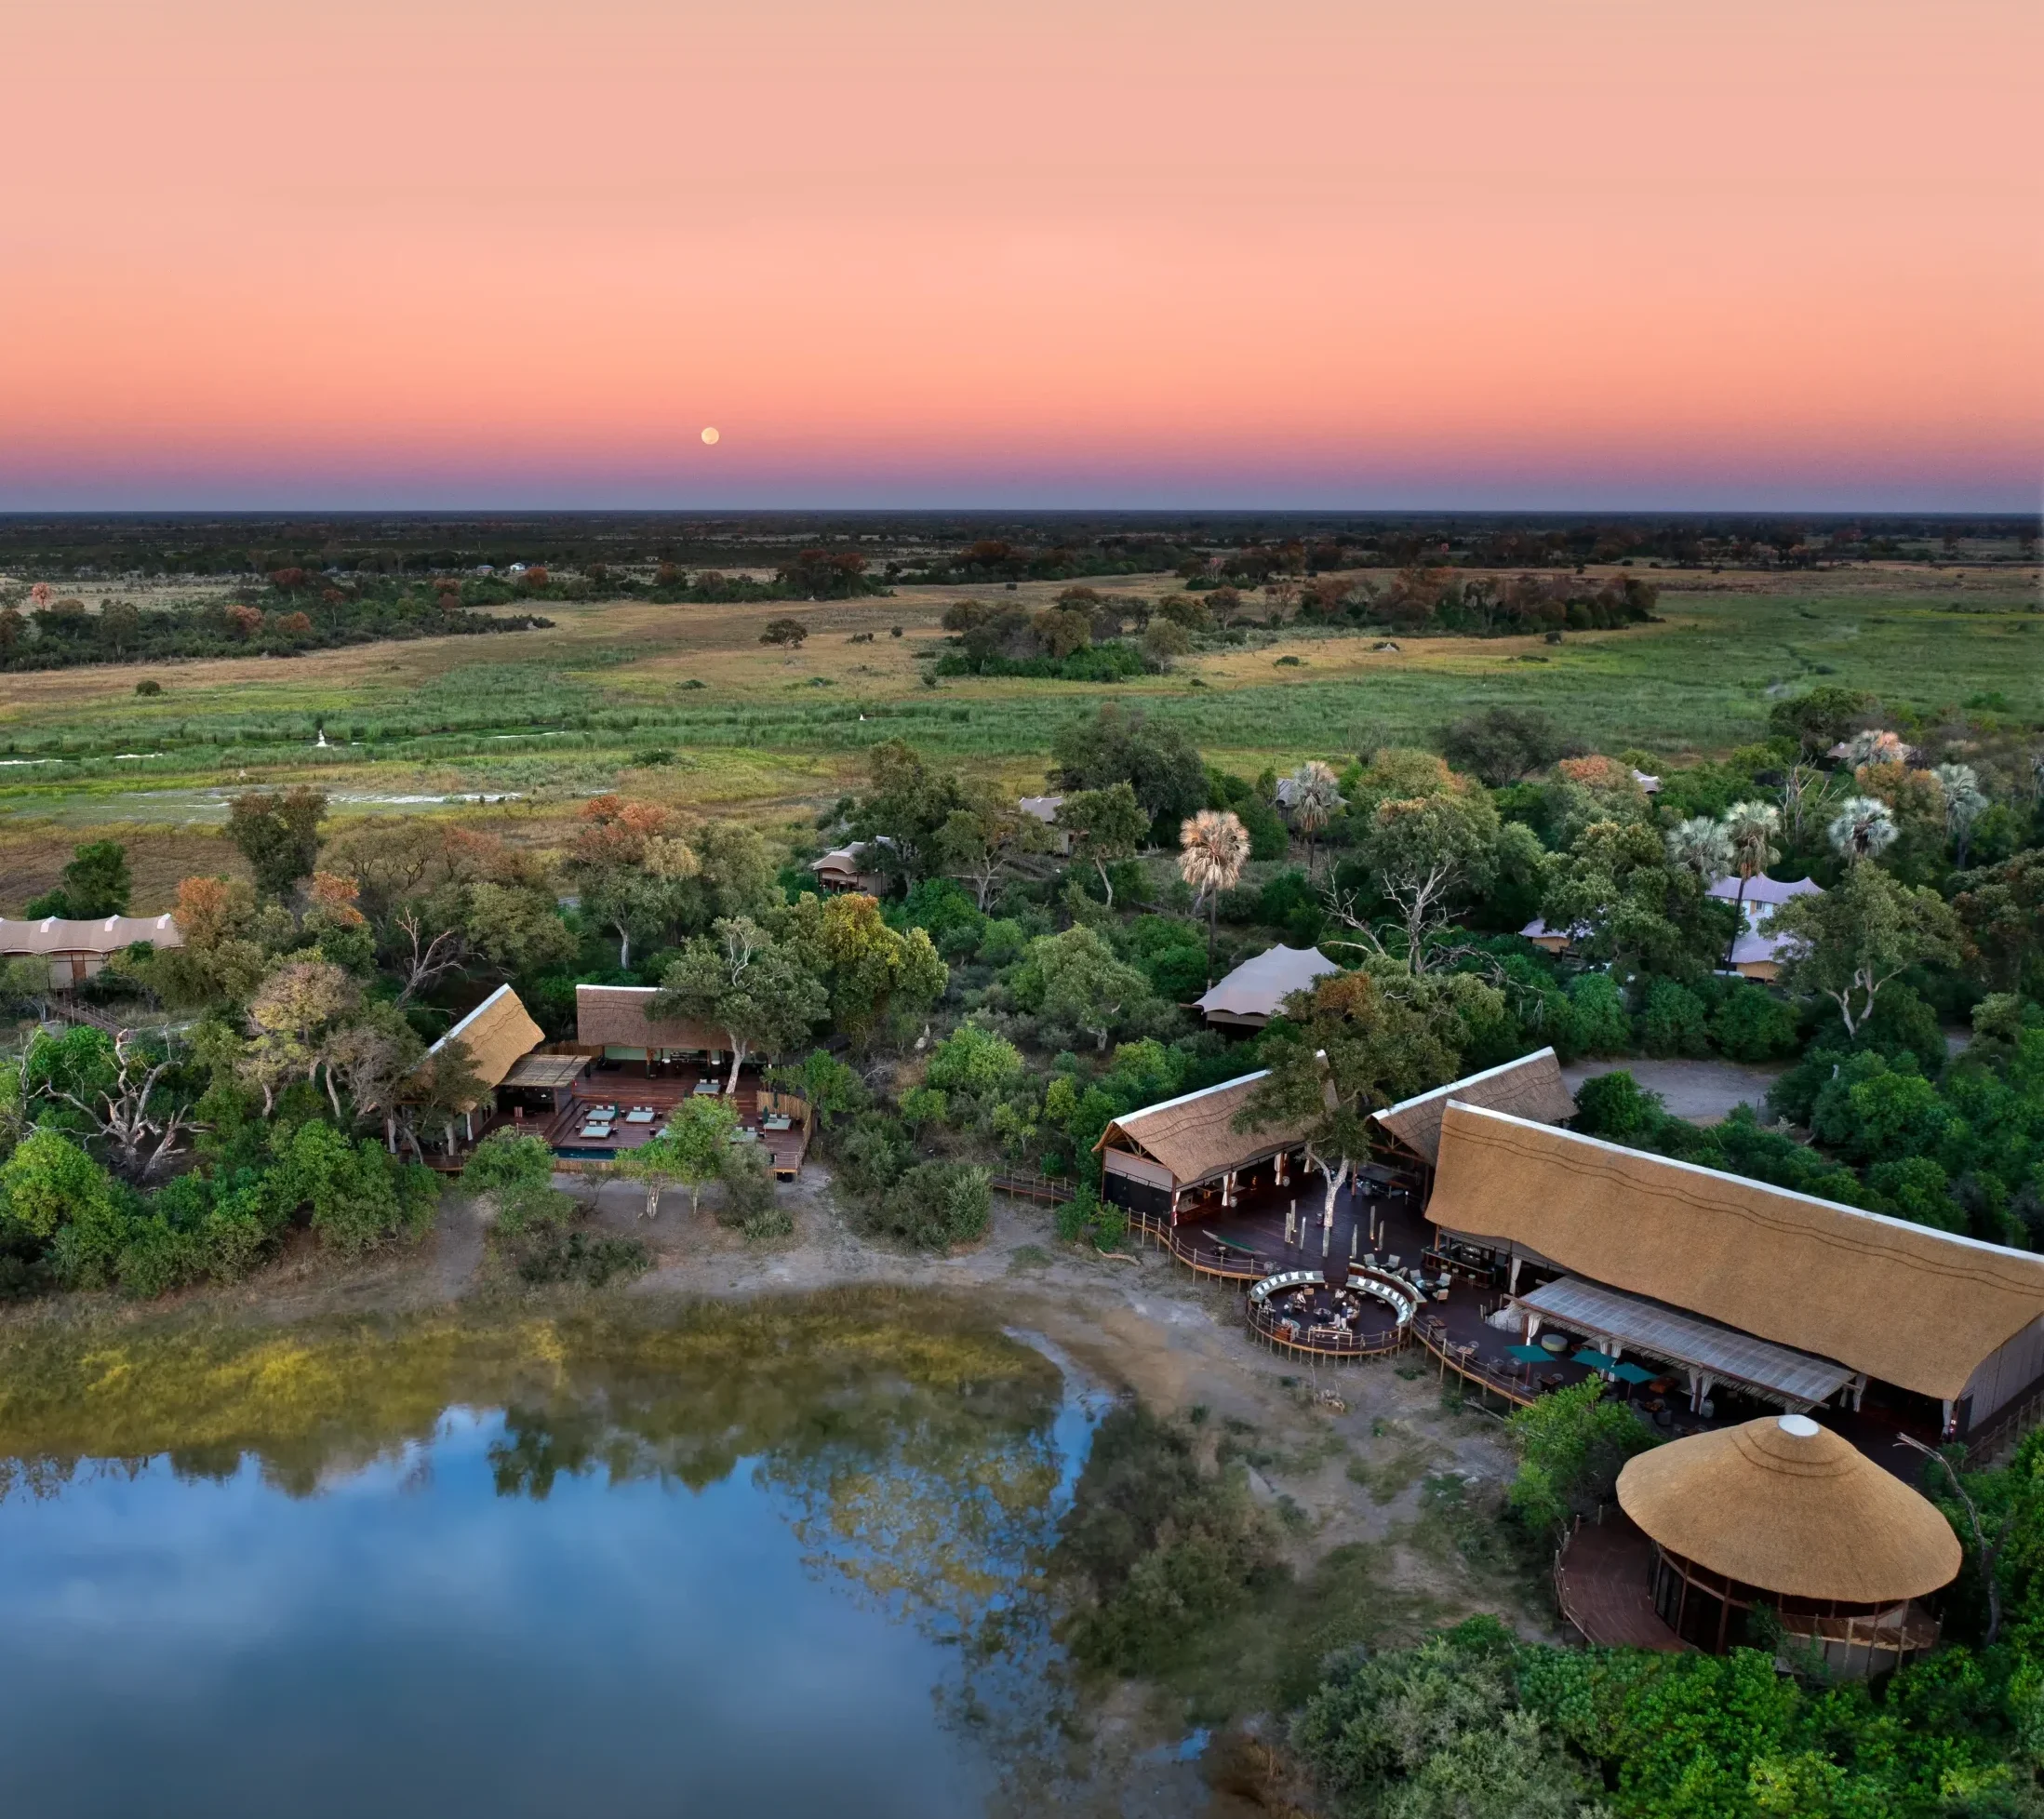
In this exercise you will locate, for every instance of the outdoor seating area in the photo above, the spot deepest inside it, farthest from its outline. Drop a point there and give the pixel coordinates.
(1339, 1313)
(614, 1108)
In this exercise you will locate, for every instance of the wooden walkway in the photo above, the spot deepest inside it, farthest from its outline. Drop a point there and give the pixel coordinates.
(1604, 1585)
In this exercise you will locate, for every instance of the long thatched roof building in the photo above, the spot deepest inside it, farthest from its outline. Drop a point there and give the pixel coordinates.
(1774, 1291)
(616, 1020)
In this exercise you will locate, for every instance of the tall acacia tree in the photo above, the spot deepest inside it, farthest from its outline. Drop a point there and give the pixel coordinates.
(1105, 826)
(739, 978)
(1851, 942)
(1349, 1045)
(1213, 847)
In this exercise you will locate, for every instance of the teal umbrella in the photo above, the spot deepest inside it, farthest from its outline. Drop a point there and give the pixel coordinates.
(1632, 1373)
(1594, 1360)
(1527, 1354)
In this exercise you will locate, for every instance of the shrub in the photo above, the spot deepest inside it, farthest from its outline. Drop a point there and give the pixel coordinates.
(149, 686)
(1570, 1445)
(1674, 1022)
(550, 1255)
(1596, 1022)
(508, 1159)
(923, 1106)
(935, 1205)
(1154, 1550)
(357, 1197)
(532, 1207)
(1437, 1732)
(1616, 1107)
(748, 1188)
(972, 1061)
(1753, 1024)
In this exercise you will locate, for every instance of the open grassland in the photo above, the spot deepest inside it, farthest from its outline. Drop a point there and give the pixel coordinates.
(549, 717)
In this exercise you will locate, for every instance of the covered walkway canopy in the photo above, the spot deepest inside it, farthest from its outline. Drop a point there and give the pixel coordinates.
(1714, 1353)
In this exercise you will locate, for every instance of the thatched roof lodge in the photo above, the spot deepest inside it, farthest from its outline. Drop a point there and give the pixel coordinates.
(498, 1033)
(1783, 1297)
(1530, 1087)
(1187, 1150)
(1782, 1513)
(1251, 996)
(847, 869)
(616, 1021)
(75, 950)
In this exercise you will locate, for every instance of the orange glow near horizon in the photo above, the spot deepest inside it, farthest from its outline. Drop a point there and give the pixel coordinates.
(1318, 252)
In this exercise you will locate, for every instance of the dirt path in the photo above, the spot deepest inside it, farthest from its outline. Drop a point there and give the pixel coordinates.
(1701, 1092)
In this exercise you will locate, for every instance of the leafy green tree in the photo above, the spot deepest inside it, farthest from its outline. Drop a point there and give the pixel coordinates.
(981, 837)
(1571, 1446)
(278, 835)
(1085, 986)
(1642, 914)
(124, 1092)
(1106, 826)
(95, 884)
(903, 818)
(1853, 940)
(833, 1088)
(690, 1151)
(1425, 853)
(872, 972)
(2000, 911)
(52, 1191)
(1819, 720)
(1352, 1043)
(739, 978)
(1501, 746)
(356, 1198)
(1120, 747)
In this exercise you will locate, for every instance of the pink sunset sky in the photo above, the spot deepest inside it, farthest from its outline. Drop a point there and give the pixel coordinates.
(1324, 253)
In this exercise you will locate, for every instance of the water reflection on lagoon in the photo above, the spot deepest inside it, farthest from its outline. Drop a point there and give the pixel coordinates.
(584, 1607)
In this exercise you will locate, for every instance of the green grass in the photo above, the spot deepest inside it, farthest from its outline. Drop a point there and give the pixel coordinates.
(562, 712)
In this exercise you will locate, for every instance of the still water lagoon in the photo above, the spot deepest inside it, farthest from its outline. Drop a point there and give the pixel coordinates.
(623, 1598)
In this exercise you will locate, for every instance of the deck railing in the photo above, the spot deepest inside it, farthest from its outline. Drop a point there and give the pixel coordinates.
(1432, 1333)
(1031, 1184)
(1283, 1334)
(1224, 1262)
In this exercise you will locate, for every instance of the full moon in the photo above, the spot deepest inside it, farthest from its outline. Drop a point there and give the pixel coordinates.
(709, 436)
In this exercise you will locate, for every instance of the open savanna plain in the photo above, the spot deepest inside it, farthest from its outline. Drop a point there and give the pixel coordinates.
(685, 704)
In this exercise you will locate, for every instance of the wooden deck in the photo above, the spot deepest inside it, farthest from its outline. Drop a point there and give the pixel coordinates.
(629, 1087)
(1604, 1585)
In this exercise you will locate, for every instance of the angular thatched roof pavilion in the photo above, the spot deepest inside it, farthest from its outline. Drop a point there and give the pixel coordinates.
(1780, 1512)
(1530, 1087)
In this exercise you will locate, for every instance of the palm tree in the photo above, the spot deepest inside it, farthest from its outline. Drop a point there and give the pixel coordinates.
(1213, 847)
(1315, 794)
(1965, 802)
(1749, 830)
(1863, 827)
(1700, 844)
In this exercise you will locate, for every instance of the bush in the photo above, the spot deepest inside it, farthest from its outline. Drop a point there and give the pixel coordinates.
(508, 1159)
(1154, 1550)
(934, 1206)
(749, 1192)
(974, 1062)
(1437, 1732)
(357, 1197)
(550, 1255)
(1753, 1024)
(1616, 1107)
(533, 1207)
(1596, 1022)
(1674, 1022)
(1571, 1445)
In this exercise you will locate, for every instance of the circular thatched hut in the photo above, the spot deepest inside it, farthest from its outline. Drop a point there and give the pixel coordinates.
(1784, 1513)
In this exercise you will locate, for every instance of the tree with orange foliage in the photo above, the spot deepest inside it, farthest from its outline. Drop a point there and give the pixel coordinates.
(633, 869)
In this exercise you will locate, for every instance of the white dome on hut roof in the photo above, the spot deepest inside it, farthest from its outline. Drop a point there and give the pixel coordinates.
(1786, 1506)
